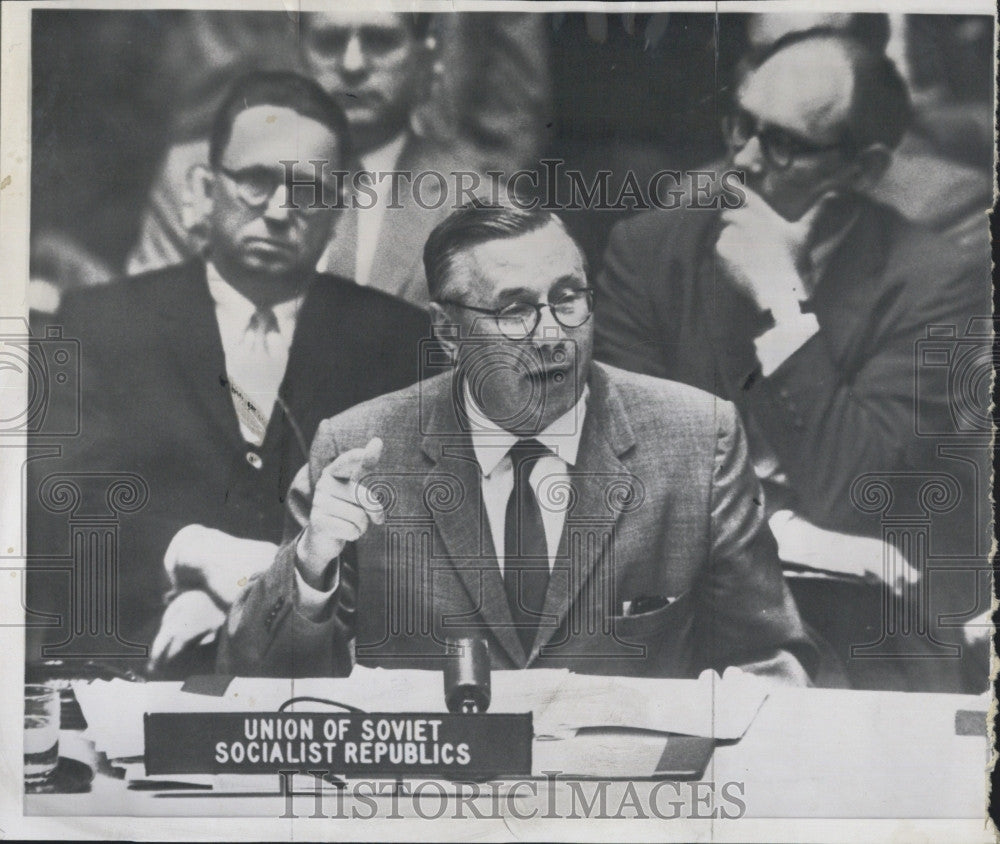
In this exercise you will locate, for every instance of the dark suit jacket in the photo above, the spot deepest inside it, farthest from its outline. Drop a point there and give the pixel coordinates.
(664, 503)
(844, 403)
(155, 402)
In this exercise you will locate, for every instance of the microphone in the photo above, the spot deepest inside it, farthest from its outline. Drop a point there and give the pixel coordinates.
(467, 675)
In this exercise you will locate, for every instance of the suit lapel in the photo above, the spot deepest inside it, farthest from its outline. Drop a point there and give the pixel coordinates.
(340, 258)
(464, 529)
(597, 479)
(403, 231)
(194, 343)
(851, 283)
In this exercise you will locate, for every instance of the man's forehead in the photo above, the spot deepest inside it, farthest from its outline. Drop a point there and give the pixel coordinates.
(347, 19)
(532, 261)
(266, 134)
(806, 87)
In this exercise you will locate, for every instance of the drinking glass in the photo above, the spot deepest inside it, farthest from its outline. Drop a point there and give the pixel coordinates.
(41, 732)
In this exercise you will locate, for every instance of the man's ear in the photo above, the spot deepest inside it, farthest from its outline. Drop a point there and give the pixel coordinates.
(446, 330)
(871, 164)
(196, 203)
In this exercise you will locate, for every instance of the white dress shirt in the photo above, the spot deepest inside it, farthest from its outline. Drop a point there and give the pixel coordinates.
(255, 366)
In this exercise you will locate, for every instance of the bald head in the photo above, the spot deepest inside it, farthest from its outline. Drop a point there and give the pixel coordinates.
(808, 87)
(834, 84)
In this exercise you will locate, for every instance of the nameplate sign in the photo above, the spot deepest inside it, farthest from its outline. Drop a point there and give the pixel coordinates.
(376, 743)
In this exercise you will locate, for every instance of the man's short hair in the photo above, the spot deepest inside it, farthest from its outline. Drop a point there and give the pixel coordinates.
(880, 110)
(281, 89)
(476, 222)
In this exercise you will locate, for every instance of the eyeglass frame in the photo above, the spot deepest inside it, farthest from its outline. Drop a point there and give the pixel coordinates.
(369, 39)
(800, 145)
(589, 294)
(234, 177)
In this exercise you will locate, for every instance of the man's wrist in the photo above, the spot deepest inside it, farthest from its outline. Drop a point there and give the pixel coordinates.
(785, 294)
(319, 576)
(779, 343)
(313, 594)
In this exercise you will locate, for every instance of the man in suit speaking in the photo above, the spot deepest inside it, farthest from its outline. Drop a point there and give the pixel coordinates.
(570, 513)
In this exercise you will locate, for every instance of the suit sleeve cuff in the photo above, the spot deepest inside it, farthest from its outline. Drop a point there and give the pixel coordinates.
(778, 344)
(311, 602)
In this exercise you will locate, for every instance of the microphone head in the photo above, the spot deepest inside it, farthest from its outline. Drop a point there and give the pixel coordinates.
(467, 675)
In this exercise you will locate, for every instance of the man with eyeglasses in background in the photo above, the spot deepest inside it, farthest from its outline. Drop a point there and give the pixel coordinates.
(208, 378)
(804, 307)
(379, 67)
(569, 513)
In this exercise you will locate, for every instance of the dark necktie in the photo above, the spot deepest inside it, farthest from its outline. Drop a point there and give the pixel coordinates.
(526, 555)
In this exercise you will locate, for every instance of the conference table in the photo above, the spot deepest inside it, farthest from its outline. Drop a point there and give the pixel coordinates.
(807, 753)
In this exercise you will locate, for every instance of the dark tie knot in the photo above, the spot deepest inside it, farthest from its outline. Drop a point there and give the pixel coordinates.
(263, 321)
(526, 451)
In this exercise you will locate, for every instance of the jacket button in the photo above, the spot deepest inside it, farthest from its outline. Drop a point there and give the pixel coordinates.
(253, 458)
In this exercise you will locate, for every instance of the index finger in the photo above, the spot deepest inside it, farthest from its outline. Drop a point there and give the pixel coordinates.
(352, 464)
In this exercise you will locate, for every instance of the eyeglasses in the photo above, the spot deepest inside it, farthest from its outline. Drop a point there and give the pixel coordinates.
(781, 147)
(256, 185)
(375, 43)
(518, 320)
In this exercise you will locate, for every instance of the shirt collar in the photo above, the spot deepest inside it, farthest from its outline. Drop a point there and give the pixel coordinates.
(491, 443)
(238, 309)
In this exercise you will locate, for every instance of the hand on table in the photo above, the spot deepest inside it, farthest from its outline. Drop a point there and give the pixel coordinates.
(342, 511)
(192, 617)
(802, 542)
(199, 557)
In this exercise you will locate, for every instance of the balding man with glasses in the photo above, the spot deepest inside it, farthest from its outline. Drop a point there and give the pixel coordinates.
(805, 307)
(569, 513)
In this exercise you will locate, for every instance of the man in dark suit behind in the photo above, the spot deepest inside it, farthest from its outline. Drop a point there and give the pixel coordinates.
(573, 515)
(805, 307)
(208, 378)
